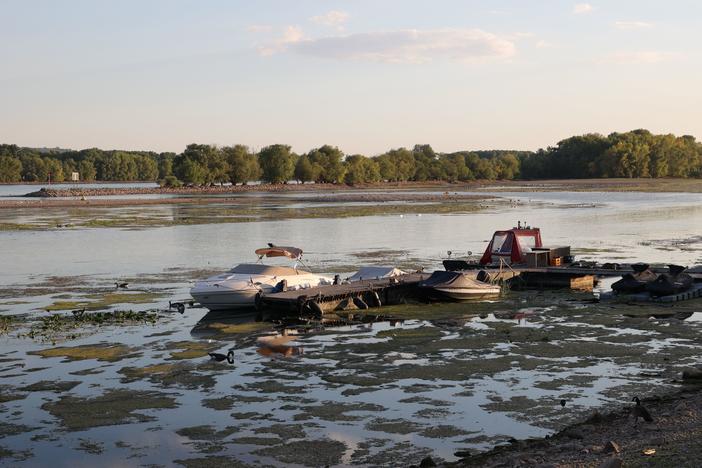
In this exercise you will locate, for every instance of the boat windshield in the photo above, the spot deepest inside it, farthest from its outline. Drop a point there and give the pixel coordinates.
(526, 242)
(268, 270)
(500, 244)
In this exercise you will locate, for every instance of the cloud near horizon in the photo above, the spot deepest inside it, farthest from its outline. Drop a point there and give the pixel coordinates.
(582, 8)
(629, 25)
(642, 57)
(408, 46)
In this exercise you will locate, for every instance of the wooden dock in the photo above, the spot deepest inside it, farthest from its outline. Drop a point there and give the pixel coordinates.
(321, 300)
(348, 296)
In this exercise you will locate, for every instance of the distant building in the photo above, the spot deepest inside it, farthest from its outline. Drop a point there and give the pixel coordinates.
(75, 176)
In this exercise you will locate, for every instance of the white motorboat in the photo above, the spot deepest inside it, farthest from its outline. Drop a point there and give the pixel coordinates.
(456, 286)
(237, 288)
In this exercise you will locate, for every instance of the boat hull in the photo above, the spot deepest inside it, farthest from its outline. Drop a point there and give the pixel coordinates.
(226, 300)
(460, 294)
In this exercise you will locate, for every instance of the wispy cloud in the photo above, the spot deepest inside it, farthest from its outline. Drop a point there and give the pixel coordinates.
(542, 44)
(408, 46)
(582, 8)
(291, 35)
(334, 19)
(641, 57)
(629, 25)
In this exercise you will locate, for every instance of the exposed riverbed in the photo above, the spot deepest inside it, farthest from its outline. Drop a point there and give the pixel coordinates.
(104, 388)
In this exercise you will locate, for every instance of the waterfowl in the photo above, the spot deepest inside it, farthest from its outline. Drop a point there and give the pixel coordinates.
(219, 357)
(563, 403)
(640, 411)
(121, 285)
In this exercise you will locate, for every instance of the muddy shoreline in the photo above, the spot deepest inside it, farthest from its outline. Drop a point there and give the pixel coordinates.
(607, 185)
(672, 439)
(379, 192)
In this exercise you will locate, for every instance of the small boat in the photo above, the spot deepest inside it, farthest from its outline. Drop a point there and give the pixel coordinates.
(635, 282)
(375, 272)
(239, 287)
(456, 286)
(674, 282)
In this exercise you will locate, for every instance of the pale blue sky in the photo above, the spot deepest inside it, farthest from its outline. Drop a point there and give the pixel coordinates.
(364, 75)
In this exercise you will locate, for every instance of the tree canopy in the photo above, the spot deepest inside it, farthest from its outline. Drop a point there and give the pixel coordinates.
(637, 153)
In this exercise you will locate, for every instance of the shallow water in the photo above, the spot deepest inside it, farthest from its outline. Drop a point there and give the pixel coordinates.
(450, 377)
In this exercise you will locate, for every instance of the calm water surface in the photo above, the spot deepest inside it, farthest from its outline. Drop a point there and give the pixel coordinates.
(399, 367)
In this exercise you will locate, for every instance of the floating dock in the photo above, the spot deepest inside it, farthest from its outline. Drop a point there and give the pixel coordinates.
(348, 296)
(694, 292)
(402, 289)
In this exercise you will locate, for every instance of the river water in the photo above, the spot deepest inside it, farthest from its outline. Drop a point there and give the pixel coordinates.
(452, 377)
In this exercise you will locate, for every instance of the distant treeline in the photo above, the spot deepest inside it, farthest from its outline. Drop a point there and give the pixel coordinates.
(633, 154)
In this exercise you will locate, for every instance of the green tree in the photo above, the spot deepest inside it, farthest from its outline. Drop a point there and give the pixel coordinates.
(397, 165)
(455, 168)
(147, 168)
(54, 169)
(10, 169)
(190, 171)
(628, 156)
(305, 170)
(243, 164)
(277, 163)
(424, 158)
(360, 169)
(213, 167)
(34, 169)
(507, 167)
(87, 170)
(329, 159)
(165, 165)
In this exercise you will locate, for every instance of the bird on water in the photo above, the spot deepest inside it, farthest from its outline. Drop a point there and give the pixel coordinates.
(219, 357)
(640, 411)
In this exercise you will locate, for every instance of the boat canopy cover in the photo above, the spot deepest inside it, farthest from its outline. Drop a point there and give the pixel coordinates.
(375, 272)
(267, 270)
(511, 245)
(452, 279)
(275, 251)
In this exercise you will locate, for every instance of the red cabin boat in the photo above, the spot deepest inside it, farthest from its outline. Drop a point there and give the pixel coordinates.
(512, 245)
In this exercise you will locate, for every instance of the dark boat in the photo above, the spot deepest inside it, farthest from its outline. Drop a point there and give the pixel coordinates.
(674, 282)
(635, 282)
(456, 286)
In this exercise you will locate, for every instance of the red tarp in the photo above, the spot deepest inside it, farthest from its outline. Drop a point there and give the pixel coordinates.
(511, 245)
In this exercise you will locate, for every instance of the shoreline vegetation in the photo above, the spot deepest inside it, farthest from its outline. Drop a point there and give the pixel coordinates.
(634, 154)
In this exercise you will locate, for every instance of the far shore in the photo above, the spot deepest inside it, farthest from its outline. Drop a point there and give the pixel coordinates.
(95, 196)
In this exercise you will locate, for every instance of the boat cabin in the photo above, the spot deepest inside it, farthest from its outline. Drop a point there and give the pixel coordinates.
(512, 245)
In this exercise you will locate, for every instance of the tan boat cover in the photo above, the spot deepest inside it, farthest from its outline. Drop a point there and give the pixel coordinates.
(275, 251)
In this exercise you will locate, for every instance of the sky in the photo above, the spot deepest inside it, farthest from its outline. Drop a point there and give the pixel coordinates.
(364, 75)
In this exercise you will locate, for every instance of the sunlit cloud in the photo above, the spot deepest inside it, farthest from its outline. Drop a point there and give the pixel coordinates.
(291, 35)
(334, 19)
(582, 8)
(641, 57)
(408, 46)
(542, 44)
(629, 25)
